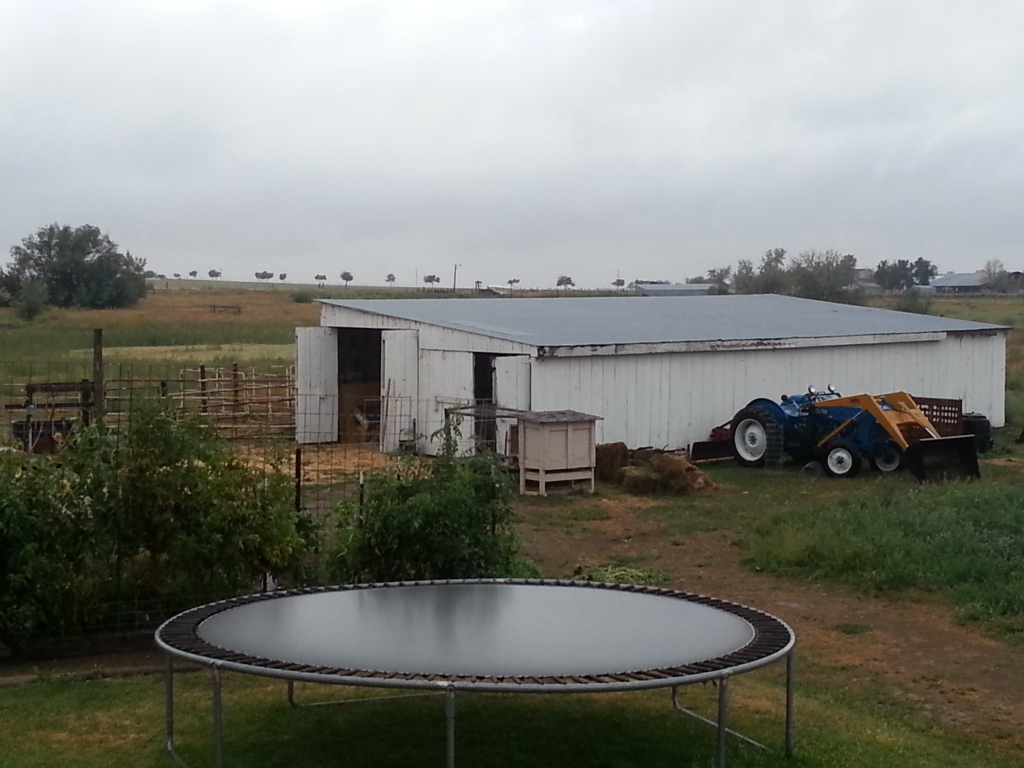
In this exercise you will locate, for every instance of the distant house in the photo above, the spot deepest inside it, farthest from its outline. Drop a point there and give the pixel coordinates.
(953, 282)
(641, 288)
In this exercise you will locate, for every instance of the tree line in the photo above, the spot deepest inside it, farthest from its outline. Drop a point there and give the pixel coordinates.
(828, 275)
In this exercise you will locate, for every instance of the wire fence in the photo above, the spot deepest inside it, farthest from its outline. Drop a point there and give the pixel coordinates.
(364, 431)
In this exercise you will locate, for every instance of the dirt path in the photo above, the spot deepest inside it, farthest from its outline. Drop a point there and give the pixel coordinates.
(915, 650)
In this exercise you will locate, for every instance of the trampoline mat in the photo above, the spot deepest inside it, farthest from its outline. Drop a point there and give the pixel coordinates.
(486, 629)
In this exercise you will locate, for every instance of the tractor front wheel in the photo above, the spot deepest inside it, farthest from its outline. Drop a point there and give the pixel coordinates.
(890, 458)
(842, 459)
(755, 437)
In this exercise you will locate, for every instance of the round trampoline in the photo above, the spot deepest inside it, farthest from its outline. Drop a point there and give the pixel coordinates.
(525, 636)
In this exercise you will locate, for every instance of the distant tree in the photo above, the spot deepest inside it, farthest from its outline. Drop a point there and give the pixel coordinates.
(346, 278)
(431, 279)
(564, 281)
(161, 277)
(771, 274)
(618, 282)
(177, 276)
(264, 275)
(996, 277)
(824, 275)
(79, 267)
(390, 279)
(214, 274)
(193, 273)
(898, 276)
(924, 271)
(744, 279)
(720, 279)
(512, 283)
(320, 280)
(148, 274)
(282, 276)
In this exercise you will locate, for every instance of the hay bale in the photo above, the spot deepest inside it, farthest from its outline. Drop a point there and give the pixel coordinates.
(640, 480)
(642, 456)
(677, 475)
(609, 460)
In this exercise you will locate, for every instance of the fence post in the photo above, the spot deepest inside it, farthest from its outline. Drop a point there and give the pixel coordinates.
(97, 375)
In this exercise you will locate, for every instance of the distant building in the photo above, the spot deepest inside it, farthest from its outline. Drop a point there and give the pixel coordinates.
(960, 283)
(641, 288)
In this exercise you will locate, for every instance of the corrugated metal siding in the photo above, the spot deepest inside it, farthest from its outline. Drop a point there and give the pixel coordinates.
(674, 399)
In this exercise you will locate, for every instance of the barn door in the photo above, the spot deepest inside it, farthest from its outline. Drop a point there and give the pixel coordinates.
(399, 387)
(511, 390)
(316, 385)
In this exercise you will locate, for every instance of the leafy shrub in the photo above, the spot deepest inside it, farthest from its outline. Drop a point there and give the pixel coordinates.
(303, 296)
(31, 300)
(161, 511)
(450, 520)
(45, 535)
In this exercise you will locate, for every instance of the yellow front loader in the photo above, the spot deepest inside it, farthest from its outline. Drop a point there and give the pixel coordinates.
(922, 450)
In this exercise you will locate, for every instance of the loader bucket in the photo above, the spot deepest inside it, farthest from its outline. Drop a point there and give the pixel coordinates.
(938, 459)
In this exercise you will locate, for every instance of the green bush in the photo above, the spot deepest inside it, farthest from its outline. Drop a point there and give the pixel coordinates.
(31, 300)
(449, 519)
(303, 296)
(161, 511)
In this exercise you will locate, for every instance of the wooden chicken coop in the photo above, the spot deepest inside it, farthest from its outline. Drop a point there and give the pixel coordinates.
(555, 447)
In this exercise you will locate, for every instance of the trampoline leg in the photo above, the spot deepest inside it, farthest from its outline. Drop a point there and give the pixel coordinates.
(789, 704)
(169, 707)
(217, 721)
(449, 711)
(723, 705)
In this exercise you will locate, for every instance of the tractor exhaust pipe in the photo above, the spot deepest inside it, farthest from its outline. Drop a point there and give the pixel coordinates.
(941, 459)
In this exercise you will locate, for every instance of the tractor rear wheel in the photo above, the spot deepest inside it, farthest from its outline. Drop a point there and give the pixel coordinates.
(755, 437)
(842, 459)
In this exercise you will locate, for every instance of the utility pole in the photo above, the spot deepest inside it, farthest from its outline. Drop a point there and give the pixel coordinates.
(455, 276)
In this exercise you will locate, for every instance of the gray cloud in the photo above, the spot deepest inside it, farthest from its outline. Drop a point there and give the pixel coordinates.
(528, 139)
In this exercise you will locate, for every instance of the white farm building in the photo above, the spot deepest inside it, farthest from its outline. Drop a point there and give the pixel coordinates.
(658, 371)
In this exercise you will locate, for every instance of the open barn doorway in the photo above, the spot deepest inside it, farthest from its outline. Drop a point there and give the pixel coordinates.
(485, 429)
(359, 372)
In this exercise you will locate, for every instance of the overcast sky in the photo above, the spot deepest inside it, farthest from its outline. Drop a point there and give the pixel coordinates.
(650, 139)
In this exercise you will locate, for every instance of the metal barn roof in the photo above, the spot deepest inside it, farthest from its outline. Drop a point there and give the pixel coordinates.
(604, 321)
(958, 280)
(672, 289)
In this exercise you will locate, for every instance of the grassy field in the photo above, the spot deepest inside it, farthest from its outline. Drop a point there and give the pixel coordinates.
(848, 715)
(906, 600)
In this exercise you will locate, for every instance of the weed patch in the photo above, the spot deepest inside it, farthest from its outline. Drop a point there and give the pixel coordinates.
(959, 540)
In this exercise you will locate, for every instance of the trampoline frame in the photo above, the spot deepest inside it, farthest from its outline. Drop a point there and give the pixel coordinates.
(773, 641)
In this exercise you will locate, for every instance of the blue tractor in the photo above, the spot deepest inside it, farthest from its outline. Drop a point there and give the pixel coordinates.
(841, 433)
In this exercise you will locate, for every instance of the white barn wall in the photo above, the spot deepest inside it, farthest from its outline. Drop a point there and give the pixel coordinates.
(672, 399)
(446, 381)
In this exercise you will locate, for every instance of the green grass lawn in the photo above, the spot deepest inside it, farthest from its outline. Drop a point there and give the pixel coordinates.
(113, 723)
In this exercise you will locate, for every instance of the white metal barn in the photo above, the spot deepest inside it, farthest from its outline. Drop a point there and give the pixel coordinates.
(660, 371)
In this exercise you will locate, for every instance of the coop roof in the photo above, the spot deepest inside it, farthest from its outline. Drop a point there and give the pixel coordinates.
(604, 321)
